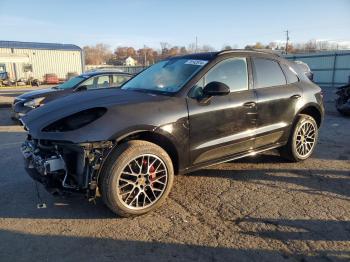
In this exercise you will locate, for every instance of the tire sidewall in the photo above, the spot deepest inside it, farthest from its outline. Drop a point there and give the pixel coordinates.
(303, 119)
(115, 172)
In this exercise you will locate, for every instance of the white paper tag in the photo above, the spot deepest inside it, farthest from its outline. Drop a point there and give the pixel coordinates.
(196, 62)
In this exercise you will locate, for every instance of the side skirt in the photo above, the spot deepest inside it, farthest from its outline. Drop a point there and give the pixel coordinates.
(230, 158)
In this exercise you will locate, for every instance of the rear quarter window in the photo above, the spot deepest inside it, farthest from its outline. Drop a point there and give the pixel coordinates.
(291, 76)
(267, 73)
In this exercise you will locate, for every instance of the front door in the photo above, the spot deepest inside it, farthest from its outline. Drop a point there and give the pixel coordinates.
(222, 126)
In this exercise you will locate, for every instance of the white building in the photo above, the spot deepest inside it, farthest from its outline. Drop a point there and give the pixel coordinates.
(28, 59)
(130, 61)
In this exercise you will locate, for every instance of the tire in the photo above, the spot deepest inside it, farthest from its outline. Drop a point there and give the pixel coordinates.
(135, 167)
(293, 150)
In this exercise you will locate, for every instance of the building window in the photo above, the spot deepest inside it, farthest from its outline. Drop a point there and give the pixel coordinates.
(27, 68)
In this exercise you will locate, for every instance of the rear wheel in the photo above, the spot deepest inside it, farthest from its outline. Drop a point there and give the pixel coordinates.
(137, 178)
(302, 140)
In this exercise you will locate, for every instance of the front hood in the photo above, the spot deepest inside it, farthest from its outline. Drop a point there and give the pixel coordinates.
(76, 102)
(37, 93)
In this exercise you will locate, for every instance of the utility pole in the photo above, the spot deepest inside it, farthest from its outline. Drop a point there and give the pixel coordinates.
(287, 34)
(196, 44)
(144, 52)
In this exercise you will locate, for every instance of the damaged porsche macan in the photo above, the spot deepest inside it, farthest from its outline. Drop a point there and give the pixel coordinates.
(177, 116)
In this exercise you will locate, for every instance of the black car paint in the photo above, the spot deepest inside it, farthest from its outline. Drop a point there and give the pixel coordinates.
(53, 93)
(199, 132)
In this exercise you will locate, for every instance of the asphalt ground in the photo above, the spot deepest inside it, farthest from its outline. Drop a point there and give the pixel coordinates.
(252, 209)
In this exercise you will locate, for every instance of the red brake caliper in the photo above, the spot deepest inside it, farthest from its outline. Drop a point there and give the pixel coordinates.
(152, 174)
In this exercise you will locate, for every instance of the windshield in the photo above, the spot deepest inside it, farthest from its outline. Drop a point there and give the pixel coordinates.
(71, 82)
(167, 76)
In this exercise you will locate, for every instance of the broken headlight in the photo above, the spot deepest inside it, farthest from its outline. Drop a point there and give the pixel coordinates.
(76, 120)
(34, 103)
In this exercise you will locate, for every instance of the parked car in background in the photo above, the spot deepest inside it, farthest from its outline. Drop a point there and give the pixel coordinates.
(5, 80)
(176, 116)
(51, 79)
(304, 67)
(342, 102)
(91, 80)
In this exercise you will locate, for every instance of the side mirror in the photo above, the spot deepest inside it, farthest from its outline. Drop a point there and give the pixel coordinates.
(216, 89)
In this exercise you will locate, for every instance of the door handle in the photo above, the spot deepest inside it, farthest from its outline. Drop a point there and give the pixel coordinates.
(296, 96)
(249, 104)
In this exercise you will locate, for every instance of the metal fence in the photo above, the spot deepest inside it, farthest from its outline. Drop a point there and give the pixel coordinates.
(130, 69)
(127, 69)
(331, 68)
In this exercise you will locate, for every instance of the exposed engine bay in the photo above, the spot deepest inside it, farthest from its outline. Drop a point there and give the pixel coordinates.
(65, 167)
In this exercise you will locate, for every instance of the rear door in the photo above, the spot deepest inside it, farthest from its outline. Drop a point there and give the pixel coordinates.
(102, 81)
(96, 82)
(222, 126)
(276, 100)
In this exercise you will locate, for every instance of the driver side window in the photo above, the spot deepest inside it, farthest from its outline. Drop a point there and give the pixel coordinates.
(233, 72)
(89, 83)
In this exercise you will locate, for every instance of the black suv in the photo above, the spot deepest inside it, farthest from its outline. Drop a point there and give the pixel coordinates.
(89, 80)
(179, 115)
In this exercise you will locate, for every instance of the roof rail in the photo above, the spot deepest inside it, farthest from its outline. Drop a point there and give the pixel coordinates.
(263, 51)
(105, 69)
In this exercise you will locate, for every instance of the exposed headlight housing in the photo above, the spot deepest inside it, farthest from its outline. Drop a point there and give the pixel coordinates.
(34, 103)
(76, 120)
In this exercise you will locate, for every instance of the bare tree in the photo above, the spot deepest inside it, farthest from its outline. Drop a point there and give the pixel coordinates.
(226, 47)
(207, 48)
(97, 55)
(164, 47)
(147, 56)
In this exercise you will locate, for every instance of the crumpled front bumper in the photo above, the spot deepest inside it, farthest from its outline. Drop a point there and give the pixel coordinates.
(41, 168)
(65, 167)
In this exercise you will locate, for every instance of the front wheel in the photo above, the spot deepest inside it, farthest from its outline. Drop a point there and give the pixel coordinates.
(137, 178)
(302, 140)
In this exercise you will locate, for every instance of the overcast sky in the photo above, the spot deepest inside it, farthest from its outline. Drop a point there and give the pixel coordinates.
(178, 22)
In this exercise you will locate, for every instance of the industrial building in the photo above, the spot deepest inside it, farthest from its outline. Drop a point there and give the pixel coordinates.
(29, 59)
(330, 68)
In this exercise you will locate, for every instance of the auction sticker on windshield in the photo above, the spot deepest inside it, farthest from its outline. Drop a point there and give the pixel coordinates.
(196, 62)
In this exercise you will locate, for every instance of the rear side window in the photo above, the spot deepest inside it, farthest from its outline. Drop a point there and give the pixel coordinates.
(290, 74)
(267, 73)
(103, 81)
(118, 80)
